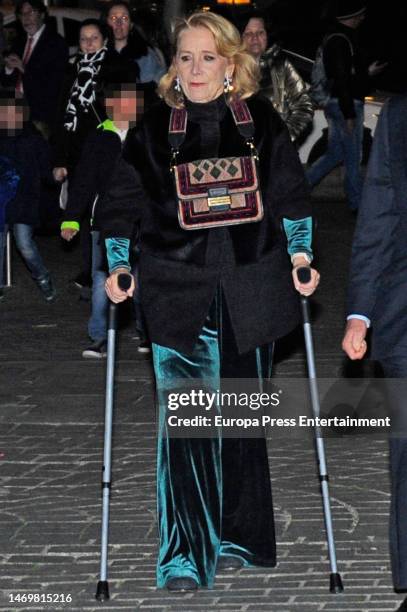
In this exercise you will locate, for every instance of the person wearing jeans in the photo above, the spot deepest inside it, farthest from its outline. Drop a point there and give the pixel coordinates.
(101, 153)
(347, 73)
(28, 249)
(27, 154)
(344, 145)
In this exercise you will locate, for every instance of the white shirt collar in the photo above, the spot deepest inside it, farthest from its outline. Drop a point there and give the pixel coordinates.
(37, 34)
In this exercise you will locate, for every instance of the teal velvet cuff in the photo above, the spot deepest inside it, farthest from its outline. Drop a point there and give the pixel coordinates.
(299, 235)
(117, 253)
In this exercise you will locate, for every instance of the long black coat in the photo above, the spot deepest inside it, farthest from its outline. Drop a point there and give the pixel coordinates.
(378, 276)
(180, 270)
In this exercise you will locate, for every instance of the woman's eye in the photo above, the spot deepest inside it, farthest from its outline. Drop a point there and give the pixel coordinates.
(184, 58)
(209, 58)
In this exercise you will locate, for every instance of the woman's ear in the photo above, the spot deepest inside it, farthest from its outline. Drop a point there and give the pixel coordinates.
(230, 69)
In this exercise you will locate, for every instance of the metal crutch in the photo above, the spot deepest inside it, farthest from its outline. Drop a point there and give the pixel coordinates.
(8, 260)
(336, 586)
(102, 590)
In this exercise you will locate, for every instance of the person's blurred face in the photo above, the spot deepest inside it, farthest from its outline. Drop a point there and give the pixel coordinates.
(255, 37)
(200, 68)
(31, 19)
(125, 105)
(90, 39)
(11, 118)
(119, 20)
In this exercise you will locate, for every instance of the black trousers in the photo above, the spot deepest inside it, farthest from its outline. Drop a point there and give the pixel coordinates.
(396, 367)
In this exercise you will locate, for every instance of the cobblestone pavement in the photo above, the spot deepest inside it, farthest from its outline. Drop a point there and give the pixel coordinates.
(51, 436)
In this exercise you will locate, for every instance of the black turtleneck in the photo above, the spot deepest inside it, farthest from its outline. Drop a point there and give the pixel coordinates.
(208, 115)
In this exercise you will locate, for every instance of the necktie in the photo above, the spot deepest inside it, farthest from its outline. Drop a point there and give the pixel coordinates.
(26, 57)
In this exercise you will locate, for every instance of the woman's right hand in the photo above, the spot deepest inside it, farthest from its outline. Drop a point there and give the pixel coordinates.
(60, 174)
(113, 290)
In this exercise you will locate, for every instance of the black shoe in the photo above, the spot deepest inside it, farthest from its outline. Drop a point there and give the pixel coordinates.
(97, 350)
(144, 347)
(47, 289)
(1, 294)
(403, 607)
(229, 562)
(181, 584)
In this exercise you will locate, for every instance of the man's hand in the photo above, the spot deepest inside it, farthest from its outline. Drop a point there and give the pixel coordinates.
(376, 68)
(354, 343)
(112, 287)
(68, 233)
(13, 62)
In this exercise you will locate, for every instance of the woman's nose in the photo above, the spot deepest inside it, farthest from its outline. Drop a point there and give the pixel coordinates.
(196, 67)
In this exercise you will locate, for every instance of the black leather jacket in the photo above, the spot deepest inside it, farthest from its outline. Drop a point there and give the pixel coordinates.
(286, 90)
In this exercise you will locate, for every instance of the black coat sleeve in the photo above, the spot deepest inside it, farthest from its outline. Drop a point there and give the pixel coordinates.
(338, 65)
(285, 188)
(92, 174)
(120, 211)
(378, 219)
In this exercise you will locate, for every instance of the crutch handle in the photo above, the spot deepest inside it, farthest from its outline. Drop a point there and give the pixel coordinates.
(304, 276)
(124, 281)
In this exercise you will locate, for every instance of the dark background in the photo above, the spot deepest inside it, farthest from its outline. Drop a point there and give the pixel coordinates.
(298, 24)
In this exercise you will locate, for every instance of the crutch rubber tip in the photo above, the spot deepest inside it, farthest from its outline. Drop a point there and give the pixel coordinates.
(102, 590)
(335, 585)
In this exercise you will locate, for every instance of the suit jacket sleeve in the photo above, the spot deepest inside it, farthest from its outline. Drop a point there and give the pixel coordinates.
(378, 218)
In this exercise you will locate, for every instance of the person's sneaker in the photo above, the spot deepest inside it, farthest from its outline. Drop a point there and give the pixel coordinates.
(97, 350)
(144, 347)
(1, 294)
(47, 289)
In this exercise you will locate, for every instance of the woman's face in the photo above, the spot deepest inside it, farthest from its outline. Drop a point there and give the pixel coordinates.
(255, 37)
(90, 39)
(119, 20)
(200, 68)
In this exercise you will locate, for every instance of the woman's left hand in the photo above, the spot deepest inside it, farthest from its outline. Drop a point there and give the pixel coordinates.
(305, 288)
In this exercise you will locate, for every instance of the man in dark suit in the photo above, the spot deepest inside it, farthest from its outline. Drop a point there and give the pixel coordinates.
(378, 297)
(36, 64)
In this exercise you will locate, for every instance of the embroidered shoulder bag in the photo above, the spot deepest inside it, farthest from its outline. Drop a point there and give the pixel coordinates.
(218, 191)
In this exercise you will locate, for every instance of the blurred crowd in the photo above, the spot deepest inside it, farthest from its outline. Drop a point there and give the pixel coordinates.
(52, 103)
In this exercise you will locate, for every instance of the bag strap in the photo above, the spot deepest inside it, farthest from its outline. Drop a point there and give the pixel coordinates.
(178, 126)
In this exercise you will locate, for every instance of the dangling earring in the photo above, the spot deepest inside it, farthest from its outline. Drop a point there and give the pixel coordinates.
(227, 84)
(177, 85)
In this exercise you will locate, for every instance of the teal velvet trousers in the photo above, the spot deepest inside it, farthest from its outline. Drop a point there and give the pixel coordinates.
(213, 494)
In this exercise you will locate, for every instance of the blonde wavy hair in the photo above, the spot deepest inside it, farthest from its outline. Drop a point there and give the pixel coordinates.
(228, 44)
